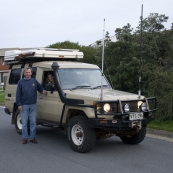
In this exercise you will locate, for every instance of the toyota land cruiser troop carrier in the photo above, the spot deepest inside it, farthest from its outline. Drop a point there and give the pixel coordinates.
(82, 101)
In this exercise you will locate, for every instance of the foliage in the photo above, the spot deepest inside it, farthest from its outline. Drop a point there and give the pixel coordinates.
(160, 84)
(121, 69)
(154, 22)
(150, 55)
(65, 45)
(2, 95)
(162, 125)
(89, 52)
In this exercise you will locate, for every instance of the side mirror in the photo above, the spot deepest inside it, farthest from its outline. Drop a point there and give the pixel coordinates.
(48, 87)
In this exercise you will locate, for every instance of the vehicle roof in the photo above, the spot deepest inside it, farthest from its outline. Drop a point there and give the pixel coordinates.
(62, 64)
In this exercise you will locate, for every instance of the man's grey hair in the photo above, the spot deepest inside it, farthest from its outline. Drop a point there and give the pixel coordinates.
(27, 68)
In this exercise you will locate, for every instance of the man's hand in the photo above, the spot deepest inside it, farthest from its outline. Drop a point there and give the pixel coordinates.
(44, 92)
(20, 108)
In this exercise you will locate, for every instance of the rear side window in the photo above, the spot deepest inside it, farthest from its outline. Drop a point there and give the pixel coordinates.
(15, 76)
(34, 71)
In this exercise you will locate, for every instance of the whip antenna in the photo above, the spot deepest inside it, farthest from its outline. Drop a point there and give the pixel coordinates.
(139, 92)
(101, 97)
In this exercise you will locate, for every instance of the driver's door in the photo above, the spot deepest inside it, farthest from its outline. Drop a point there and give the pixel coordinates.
(48, 105)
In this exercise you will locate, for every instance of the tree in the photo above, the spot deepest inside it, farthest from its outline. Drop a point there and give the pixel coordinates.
(122, 61)
(65, 45)
(125, 33)
(154, 22)
(107, 38)
(89, 52)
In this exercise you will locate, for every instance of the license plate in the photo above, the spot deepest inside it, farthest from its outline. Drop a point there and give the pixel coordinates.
(136, 116)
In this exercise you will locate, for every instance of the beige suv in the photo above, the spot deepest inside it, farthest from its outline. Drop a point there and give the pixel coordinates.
(82, 101)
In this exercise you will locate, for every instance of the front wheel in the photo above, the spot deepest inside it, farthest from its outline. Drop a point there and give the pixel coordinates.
(81, 136)
(136, 138)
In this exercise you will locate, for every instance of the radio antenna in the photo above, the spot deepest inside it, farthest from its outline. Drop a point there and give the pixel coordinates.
(101, 97)
(139, 92)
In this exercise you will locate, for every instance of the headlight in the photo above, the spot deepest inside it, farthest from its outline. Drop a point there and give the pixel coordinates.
(144, 106)
(127, 108)
(139, 104)
(106, 107)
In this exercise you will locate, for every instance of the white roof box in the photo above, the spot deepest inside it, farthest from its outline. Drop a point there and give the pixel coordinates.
(9, 55)
(41, 53)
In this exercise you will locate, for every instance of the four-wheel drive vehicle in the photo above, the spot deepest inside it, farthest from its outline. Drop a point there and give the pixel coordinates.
(82, 101)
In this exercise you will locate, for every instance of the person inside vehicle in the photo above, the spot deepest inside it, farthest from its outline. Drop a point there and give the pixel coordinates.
(50, 80)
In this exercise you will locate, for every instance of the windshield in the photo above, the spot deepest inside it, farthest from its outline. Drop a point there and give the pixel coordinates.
(81, 78)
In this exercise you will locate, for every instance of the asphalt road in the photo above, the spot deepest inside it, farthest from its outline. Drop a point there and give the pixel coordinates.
(53, 154)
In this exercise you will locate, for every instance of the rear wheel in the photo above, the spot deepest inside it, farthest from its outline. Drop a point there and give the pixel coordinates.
(81, 136)
(136, 138)
(18, 123)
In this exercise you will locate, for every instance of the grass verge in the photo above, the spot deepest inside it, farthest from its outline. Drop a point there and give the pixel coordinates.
(2, 95)
(163, 125)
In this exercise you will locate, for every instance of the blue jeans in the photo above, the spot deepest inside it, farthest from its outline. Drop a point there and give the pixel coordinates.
(28, 112)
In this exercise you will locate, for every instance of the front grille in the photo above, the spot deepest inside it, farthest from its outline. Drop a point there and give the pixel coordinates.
(117, 107)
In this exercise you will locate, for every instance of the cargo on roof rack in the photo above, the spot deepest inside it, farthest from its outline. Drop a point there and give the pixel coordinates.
(41, 54)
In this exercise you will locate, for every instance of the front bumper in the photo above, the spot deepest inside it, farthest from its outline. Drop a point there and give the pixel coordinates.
(119, 124)
(120, 119)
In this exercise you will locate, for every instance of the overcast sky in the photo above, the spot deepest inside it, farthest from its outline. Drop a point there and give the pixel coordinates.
(39, 23)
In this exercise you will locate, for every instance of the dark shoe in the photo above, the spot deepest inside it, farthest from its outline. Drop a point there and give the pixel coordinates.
(33, 141)
(25, 141)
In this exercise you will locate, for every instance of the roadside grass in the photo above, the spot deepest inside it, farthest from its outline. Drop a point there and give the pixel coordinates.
(2, 95)
(161, 125)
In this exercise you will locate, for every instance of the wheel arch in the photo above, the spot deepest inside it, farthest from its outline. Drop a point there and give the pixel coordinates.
(74, 112)
(15, 107)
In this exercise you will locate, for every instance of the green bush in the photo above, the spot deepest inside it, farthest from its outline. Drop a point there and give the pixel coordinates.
(160, 85)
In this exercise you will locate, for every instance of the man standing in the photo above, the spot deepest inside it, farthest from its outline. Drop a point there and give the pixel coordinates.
(26, 98)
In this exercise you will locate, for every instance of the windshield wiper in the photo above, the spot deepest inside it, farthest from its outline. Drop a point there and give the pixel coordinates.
(99, 86)
(79, 87)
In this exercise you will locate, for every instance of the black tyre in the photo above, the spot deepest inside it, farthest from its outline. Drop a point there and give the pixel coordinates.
(81, 136)
(136, 138)
(18, 123)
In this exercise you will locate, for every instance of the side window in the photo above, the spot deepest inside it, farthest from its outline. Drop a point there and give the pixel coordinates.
(15, 76)
(48, 81)
(34, 72)
(45, 76)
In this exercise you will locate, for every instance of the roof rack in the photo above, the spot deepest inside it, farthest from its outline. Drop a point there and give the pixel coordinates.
(41, 54)
(54, 49)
